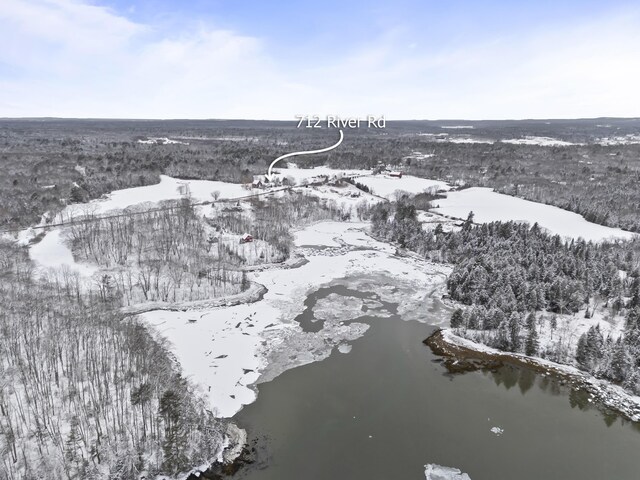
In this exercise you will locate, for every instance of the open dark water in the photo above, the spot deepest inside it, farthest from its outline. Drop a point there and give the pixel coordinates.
(387, 408)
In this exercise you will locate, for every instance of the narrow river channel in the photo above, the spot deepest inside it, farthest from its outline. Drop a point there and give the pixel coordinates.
(387, 408)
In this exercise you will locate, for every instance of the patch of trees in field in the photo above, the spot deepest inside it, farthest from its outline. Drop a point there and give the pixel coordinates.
(507, 271)
(166, 256)
(87, 393)
(272, 219)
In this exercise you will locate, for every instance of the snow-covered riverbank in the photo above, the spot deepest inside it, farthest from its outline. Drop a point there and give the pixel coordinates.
(460, 351)
(227, 349)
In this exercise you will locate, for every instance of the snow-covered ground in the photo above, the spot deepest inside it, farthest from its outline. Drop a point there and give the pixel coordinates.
(569, 328)
(438, 472)
(53, 251)
(541, 141)
(169, 188)
(345, 196)
(300, 175)
(489, 206)
(629, 139)
(420, 156)
(161, 141)
(468, 140)
(381, 184)
(226, 349)
(431, 220)
(389, 187)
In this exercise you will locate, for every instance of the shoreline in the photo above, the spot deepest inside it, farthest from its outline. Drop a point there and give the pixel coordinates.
(461, 355)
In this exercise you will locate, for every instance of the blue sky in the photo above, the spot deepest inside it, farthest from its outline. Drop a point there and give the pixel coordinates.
(260, 59)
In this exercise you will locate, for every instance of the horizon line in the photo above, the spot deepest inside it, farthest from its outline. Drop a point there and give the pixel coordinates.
(461, 119)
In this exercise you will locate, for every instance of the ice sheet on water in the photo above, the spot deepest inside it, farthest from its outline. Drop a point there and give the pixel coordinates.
(336, 307)
(438, 472)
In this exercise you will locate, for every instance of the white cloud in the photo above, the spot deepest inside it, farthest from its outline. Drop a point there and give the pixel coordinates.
(68, 58)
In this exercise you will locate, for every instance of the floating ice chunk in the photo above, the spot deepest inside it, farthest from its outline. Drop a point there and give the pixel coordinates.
(438, 472)
(344, 348)
(497, 430)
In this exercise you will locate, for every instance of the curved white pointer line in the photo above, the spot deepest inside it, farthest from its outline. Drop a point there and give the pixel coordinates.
(308, 152)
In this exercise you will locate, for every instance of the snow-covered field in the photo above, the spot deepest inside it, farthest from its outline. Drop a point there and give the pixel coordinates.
(388, 187)
(346, 196)
(53, 251)
(629, 139)
(489, 206)
(300, 175)
(169, 188)
(419, 155)
(161, 141)
(468, 140)
(541, 141)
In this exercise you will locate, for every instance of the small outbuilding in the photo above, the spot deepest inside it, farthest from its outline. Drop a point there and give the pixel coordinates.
(246, 238)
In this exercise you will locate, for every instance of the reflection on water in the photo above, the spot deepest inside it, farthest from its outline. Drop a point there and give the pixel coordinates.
(509, 376)
(389, 407)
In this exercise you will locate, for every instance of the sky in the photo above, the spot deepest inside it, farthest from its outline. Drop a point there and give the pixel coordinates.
(405, 59)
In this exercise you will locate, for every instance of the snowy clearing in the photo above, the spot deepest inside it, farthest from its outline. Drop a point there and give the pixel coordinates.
(54, 252)
(489, 206)
(540, 141)
(388, 187)
(169, 188)
(161, 141)
(302, 175)
(335, 234)
(468, 140)
(630, 139)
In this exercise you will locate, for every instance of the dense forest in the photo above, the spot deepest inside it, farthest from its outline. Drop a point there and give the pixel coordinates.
(86, 392)
(508, 272)
(168, 255)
